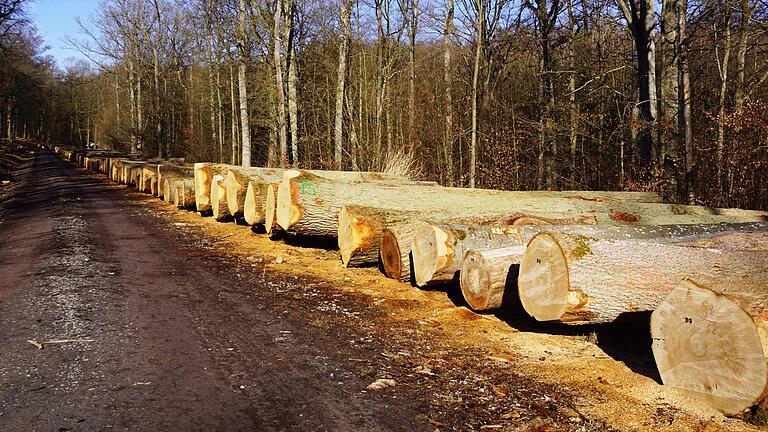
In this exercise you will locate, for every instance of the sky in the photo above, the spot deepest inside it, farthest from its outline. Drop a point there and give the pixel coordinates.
(55, 19)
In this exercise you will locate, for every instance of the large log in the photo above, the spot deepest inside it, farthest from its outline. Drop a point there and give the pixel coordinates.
(169, 170)
(395, 251)
(239, 181)
(360, 230)
(360, 227)
(710, 342)
(259, 197)
(488, 276)
(203, 174)
(485, 275)
(439, 248)
(219, 206)
(148, 172)
(184, 193)
(310, 206)
(308, 202)
(579, 279)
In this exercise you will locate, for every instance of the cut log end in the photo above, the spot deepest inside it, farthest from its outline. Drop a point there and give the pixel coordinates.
(431, 252)
(270, 208)
(475, 280)
(202, 173)
(234, 193)
(167, 186)
(391, 260)
(219, 206)
(354, 235)
(252, 210)
(543, 284)
(709, 348)
(287, 212)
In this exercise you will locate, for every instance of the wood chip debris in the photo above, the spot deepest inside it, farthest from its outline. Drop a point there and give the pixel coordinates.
(41, 345)
(381, 384)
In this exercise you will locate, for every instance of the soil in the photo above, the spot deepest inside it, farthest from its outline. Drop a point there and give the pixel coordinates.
(183, 323)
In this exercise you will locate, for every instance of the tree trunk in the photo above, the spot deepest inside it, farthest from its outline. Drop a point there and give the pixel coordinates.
(360, 230)
(479, 35)
(488, 276)
(686, 125)
(345, 9)
(437, 250)
(277, 52)
(395, 251)
(203, 175)
(581, 279)
(242, 86)
(239, 180)
(293, 80)
(448, 83)
(710, 343)
(721, 169)
(219, 205)
(671, 156)
(184, 193)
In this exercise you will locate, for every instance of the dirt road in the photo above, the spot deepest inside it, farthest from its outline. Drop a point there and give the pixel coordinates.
(180, 334)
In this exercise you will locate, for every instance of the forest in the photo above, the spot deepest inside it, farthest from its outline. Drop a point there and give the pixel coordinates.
(636, 95)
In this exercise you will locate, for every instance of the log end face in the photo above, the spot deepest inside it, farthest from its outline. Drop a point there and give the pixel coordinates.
(353, 234)
(430, 251)
(270, 211)
(202, 175)
(250, 206)
(389, 251)
(543, 285)
(219, 198)
(475, 281)
(709, 348)
(234, 190)
(167, 197)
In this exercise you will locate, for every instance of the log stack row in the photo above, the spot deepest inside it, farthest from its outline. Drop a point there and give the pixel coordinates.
(573, 257)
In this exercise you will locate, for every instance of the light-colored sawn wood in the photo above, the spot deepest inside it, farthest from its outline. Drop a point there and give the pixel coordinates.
(710, 342)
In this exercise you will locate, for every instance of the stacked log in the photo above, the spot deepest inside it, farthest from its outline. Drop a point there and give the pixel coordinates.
(395, 251)
(219, 205)
(579, 279)
(203, 174)
(710, 340)
(310, 206)
(184, 193)
(148, 172)
(249, 184)
(168, 173)
(487, 275)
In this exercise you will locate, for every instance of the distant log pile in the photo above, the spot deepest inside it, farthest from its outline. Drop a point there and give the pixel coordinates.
(571, 257)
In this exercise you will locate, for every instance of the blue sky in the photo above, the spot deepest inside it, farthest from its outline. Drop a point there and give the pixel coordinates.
(55, 19)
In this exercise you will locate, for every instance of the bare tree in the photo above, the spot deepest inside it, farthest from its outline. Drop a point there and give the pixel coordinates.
(345, 11)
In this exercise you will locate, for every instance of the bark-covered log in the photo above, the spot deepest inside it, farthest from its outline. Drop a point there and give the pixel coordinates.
(239, 180)
(203, 174)
(487, 276)
(148, 172)
(184, 193)
(360, 227)
(395, 251)
(710, 341)
(169, 170)
(438, 249)
(360, 231)
(219, 206)
(581, 279)
(309, 205)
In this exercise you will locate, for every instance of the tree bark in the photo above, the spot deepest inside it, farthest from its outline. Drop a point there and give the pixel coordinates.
(448, 83)
(239, 180)
(723, 71)
(345, 9)
(581, 279)
(479, 42)
(710, 340)
(242, 86)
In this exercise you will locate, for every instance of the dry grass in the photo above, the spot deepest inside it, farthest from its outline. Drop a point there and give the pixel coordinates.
(401, 162)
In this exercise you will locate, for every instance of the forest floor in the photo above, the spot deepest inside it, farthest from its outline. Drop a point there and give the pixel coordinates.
(188, 324)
